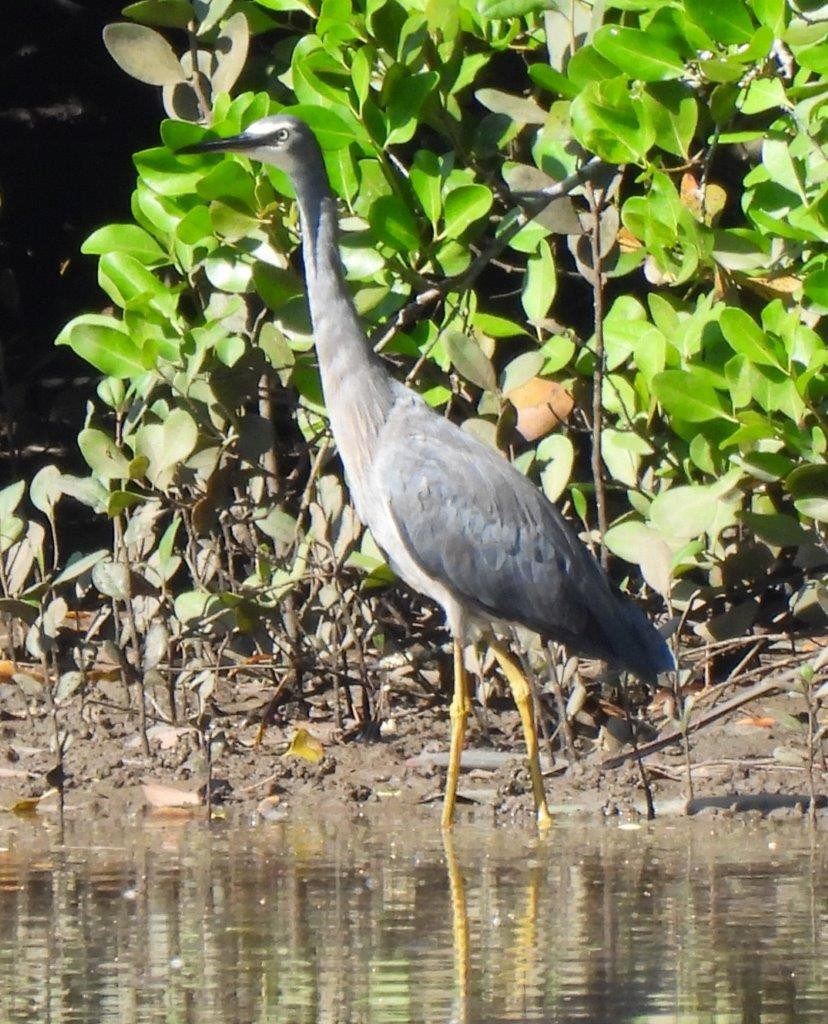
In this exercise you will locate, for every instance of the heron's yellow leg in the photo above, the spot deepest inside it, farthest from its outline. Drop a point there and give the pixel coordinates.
(459, 925)
(523, 699)
(459, 711)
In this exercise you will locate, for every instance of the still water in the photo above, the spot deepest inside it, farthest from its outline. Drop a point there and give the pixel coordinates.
(378, 922)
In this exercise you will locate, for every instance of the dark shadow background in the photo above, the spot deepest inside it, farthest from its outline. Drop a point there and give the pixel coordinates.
(70, 120)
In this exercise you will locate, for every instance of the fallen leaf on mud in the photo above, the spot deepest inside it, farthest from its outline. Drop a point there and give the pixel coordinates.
(167, 736)
(270, 808)
(160, 796)
(8, 669)
(29, 804)
(305, 746)
(756, 721)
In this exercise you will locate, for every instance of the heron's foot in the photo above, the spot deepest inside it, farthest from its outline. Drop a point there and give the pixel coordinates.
(522, 693)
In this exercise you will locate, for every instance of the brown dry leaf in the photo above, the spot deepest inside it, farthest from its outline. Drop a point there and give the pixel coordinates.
(98, 673)
(81, 619)
(305, 746)
(627, 241)
(541, 405)
(259, 659)
(773, 287)
(690, 194)
(161, 797)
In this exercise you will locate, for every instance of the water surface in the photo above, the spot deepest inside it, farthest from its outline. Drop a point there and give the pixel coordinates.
(378, 922)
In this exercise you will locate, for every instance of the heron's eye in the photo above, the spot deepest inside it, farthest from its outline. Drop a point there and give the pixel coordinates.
(282, 134)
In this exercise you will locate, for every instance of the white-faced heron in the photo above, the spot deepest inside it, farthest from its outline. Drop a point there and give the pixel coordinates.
(455, 519)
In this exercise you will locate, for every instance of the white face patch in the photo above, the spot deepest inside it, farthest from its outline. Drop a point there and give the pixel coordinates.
(264, 126)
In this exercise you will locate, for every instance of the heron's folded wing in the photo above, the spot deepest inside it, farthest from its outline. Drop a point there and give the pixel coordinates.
(474, 522)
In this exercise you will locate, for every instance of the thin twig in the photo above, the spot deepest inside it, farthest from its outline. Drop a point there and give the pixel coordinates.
(596, 207)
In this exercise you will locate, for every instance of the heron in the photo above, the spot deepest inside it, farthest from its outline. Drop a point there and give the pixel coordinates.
(454, 518)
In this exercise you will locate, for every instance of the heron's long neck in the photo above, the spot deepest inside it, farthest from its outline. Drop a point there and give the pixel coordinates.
(358, 388)
(341, 343)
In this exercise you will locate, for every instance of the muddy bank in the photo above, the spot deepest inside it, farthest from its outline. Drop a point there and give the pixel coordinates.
(752, 761)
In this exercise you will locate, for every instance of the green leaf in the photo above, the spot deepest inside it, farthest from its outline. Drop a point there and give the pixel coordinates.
(126, 281)
(687, 512)
(166, 445)
(45, 490)
(111, 578)
(425, 179)
(816, 287)
(586, 65)
(394, 224)
(539, 284)
(621, 451)
(128, 238)
(746, 337)
(496, 10)
(813, 508)
(683, 395)
(102, 455)
(606, 122)
(638, 54)
(807, 481)
(463, 207)
(673, 111)
(553, 81)
(496, 326)
(407, 97)
(319, 79)
(469, 359)
(103, 343)
(560, 453)
(516, 108)
(119, 501)
(77, 565)
(226, 272)
(520, 370)
(163, 13)
(639, 544)
(726, 21)
(778, 530)
(10, 498)
(143, 53)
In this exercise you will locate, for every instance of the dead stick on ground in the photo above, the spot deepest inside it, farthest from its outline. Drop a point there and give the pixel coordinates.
(700, 723)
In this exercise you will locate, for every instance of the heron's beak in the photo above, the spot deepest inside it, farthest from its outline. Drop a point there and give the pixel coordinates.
(233, 143)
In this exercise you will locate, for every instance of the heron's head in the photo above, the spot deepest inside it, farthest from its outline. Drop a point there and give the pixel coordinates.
(281, 140)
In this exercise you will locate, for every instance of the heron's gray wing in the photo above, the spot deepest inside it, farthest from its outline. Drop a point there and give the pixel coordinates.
(471, 520)
(476, 524)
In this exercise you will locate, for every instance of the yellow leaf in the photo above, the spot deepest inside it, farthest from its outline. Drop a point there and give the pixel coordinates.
(305, 746)
(29, 804)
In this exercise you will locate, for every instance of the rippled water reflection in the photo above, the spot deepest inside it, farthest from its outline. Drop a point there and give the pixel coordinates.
(299, 922)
